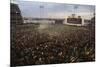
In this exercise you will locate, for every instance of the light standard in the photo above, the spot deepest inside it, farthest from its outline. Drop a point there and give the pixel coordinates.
(41, 7)
(75, 10)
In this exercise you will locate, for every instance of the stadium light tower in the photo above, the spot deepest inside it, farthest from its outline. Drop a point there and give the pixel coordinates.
(75, 9)
(41, 12)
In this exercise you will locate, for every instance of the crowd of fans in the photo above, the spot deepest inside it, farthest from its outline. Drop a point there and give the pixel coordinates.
(30, 47)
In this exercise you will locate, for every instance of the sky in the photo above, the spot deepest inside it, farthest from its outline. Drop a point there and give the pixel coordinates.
(54, 10)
